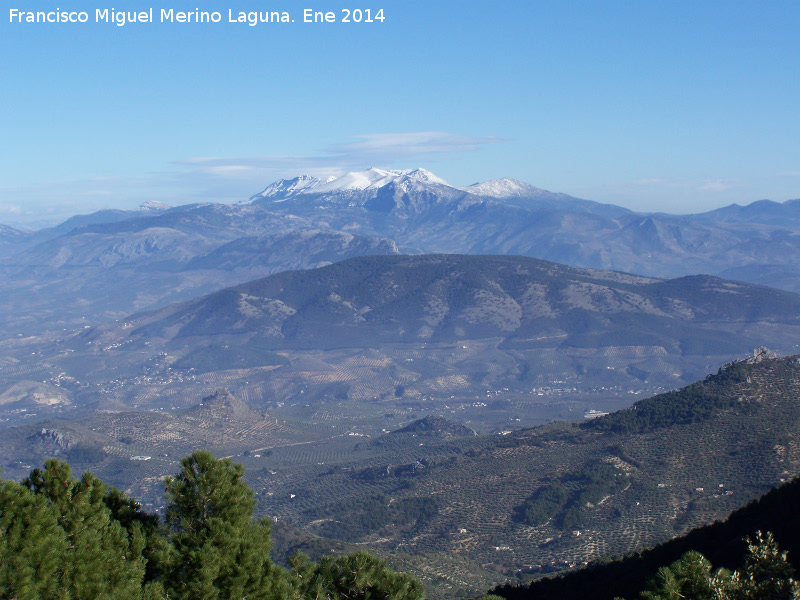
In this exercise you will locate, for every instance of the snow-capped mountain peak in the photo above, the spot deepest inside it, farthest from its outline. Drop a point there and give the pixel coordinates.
(356, 181)
(502, 188)
(283, 188)
(153, 205)
(374, 178)
(425, 175)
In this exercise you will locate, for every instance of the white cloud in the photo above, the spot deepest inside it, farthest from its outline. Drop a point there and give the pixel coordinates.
(716, 186)
(408, 145)
(11, 209)
(364, 151)
(229, 170)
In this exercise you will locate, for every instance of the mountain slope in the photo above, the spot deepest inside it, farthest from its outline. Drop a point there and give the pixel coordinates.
(622, 492)
(366, 301)
(430, 489)
(721, 542)
(365, 186)
(117, 268)
(310, 248)
(441, 332)
(498, 337)
(420, 211)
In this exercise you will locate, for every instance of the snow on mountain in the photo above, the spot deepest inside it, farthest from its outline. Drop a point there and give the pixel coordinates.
(524, 195)
(504, 188)
(153, 205)
(375, 178)
(362, 188)
(357, 181)
(360, 180)
(284, 188)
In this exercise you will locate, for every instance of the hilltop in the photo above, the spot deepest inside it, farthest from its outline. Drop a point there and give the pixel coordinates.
(366, 301)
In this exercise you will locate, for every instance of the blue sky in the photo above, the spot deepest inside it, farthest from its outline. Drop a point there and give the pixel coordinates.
(677, 106)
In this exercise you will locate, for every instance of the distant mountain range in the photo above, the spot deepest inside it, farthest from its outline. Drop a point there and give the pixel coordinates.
(367, 188)
(112, 263)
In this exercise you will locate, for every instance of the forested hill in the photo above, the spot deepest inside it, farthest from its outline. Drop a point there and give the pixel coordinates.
(694, 403)
(570, 493)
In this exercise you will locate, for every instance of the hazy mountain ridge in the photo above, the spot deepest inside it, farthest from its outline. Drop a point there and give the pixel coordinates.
(481, 219)
(145, 264)
(443, 298)
(311, 248)
(760, 211)
(10, 239)
(146, 258)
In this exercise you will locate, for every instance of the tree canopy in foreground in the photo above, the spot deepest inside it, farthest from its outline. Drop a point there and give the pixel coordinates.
(63, 538)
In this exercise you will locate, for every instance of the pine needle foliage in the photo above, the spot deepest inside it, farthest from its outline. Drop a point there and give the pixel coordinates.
(67, 539)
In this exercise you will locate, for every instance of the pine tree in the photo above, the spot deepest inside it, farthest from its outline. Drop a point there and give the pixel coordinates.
(32, 545)
(100, 561)
(767, 574)
(358, 576)
(139, 525)
(690, 576)
(216, 551)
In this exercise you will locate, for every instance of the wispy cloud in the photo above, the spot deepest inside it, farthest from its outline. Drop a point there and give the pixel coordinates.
(717, 186)
(244, 176)
(670, 193)
(361, 152)
(393, 146)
